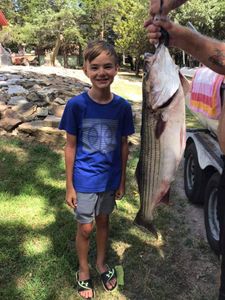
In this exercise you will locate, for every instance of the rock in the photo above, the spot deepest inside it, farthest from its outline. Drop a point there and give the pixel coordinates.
(28, 84)
(3, 83)
(16, 90)
(59, 101)
(57, 110)
(3, 107)
(51, 121)
(42, 112)
(16, 100)
(34, 97)
(3, 78)
(26, 112)
(9, 120)
(42, 134)
(3, 98)
(32, 103)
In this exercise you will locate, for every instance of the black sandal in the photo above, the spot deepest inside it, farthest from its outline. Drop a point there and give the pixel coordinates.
(107, 276)
(84, 285)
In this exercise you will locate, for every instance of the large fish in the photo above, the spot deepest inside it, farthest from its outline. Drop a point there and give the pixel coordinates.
(162, 132)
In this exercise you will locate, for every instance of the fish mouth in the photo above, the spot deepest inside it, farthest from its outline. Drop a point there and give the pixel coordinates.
(167, 103)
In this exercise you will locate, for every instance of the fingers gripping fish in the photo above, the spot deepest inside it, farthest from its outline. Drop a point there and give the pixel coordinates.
(162, 132)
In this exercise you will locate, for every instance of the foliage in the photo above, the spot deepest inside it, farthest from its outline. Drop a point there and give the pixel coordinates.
(37, 23)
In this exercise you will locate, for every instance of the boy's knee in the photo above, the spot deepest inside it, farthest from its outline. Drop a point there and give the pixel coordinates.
(85, 229)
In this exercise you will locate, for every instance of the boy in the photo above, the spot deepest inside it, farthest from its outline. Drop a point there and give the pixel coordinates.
(97, 123)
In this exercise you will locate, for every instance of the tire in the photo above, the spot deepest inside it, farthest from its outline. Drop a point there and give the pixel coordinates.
(211, 212)
(195, 178)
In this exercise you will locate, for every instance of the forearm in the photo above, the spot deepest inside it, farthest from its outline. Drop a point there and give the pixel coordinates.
(168, 5)
(70, 153)
(208, 51)
(177, 3)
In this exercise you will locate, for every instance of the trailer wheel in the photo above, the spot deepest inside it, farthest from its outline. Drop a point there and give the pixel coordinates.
(195, 178)
(211, 212)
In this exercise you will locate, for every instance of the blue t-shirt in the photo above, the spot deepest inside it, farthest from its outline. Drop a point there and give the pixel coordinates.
(99, 129)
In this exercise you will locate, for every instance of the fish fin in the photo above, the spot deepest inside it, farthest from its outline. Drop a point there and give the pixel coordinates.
(142, 224)
(160, 126)
(186, 84)
(165, 199)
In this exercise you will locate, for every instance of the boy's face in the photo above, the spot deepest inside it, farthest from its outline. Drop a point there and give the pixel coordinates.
(101, 70)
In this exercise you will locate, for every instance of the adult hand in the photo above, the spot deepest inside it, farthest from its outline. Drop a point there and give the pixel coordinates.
(71, 197)
(153, 27)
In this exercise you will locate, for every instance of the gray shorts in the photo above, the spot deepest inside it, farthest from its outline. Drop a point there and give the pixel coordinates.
(90, 205)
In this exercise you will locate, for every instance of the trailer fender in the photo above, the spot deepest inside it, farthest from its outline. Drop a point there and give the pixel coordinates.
(208, 151)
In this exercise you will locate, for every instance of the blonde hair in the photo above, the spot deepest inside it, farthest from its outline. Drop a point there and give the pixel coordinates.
(95, 48)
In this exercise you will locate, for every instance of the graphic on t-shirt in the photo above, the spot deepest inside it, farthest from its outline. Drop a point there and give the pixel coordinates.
(99, 135)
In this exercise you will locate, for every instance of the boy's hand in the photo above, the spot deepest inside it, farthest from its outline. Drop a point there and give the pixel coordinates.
(120, 193)
(71, 197)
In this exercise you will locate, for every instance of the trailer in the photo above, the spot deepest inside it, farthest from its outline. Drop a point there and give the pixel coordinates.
(203, 165)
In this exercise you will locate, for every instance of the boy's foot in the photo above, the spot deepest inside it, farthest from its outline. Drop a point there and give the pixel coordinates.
(108, 277)
(85, 287)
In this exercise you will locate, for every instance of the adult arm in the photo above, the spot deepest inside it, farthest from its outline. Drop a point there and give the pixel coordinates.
(208, 51)
(124, 153)
(168, 5)
(70, 153)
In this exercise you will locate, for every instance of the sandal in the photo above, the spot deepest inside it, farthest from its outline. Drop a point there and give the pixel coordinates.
(107, 276)
(84, 285)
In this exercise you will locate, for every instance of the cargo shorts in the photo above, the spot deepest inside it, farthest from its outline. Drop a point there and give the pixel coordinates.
(90, 205)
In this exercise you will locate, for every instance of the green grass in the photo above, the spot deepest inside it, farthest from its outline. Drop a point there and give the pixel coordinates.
(37, 229)
(37, 255)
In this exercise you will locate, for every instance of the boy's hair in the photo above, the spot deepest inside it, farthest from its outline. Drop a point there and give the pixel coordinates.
(95, 48)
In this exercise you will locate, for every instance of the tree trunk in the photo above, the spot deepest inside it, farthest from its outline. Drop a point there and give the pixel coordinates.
(65, 58)
(55, 50)
(80, 62)
(137, 65)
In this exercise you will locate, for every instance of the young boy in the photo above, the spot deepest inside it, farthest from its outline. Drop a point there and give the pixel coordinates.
(97, 124)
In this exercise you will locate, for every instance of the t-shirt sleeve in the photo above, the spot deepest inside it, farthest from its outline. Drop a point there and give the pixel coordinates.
(69, 118)
(128, 124)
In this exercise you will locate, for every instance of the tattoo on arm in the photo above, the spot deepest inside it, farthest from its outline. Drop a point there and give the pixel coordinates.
(218, 58)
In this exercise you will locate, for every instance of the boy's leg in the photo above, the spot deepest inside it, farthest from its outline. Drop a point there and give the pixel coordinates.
(85, 215)
(82, 246)
(102, 232)
(104, 208)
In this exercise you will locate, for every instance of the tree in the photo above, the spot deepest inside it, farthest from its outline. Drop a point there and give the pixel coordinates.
(132, 38)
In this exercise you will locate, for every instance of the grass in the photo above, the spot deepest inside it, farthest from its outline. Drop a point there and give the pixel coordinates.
(37, 253)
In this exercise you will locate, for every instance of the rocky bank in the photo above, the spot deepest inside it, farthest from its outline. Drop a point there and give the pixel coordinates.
(32, 103)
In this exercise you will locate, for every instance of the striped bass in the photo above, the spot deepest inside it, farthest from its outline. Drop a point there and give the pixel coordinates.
(162, 132)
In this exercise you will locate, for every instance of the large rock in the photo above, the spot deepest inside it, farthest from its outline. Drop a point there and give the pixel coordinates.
(15, 90)
(40, 133)
(57, 110)
(17, 100)
(26, 112)
(9, 120)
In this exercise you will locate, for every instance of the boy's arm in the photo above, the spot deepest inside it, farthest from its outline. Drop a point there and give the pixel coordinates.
(70, 153)
(124, 153)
